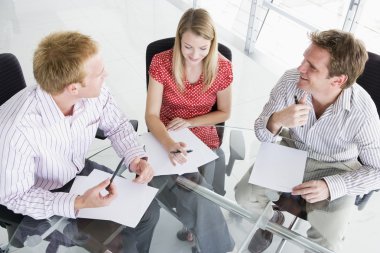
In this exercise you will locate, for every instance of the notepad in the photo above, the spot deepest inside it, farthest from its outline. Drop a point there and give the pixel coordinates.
(278, 167)
(127, 208)
(159, 159)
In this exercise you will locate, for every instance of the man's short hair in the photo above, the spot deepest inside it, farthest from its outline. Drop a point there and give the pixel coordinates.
(59, 60)
(348, 55)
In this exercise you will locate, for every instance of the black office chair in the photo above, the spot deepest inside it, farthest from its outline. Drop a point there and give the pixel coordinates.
(166, 44)
(369, 80)
(11, 81)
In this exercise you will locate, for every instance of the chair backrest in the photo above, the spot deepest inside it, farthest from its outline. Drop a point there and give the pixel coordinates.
(11, 77)
(158, 46)
(370, 78)
(11, 81)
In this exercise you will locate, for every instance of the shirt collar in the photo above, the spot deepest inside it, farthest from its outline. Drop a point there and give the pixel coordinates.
(49, 110)
(343, 101)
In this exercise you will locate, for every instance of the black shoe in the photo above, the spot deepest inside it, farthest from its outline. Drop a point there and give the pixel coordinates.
(262, 239)
(185, 235)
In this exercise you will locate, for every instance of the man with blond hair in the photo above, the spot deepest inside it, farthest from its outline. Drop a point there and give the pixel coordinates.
(46, 130)
(321, 109)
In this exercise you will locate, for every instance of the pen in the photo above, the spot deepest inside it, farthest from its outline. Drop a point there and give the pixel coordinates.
(179, 151)
(296, 100)
(115, 173)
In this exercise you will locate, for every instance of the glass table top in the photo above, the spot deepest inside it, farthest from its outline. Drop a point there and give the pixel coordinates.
(210, 210)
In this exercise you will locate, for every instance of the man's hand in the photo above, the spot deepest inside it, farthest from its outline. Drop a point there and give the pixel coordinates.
(312, 191)
(292, 116)
(143, 169)
(93, 198)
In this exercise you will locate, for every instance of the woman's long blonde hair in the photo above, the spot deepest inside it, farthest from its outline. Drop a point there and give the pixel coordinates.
(199, 22)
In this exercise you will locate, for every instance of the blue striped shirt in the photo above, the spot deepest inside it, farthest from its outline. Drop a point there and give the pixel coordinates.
(348, 129)
(42, 150)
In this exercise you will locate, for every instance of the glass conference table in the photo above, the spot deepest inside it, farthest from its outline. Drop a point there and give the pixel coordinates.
(227, 223)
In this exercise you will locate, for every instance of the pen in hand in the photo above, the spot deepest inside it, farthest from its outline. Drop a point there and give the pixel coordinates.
(115, 173)
(179, 151)
(296, 100)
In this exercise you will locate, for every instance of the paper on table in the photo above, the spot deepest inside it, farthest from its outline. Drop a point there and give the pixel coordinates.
(159, 160)
(278, 167)
(127, 208)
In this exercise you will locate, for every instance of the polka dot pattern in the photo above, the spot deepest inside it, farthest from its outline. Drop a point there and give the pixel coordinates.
(193, 101)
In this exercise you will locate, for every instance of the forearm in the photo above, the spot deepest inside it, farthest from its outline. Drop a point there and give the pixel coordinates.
(274, 125)
(42, 204)
(158, 129)
(355, 182)
(211, 118)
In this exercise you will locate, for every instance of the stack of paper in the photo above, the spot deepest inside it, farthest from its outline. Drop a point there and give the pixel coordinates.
(158, 156)
(129, 206)
(278, 167)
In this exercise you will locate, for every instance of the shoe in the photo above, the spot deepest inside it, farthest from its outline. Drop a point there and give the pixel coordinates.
(185, 235)
(262, 239)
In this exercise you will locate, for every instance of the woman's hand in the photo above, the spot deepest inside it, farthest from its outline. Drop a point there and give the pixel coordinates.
(178, 123)
(177, 153)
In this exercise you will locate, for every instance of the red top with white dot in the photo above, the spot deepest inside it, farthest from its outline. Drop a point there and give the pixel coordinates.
(193, 101)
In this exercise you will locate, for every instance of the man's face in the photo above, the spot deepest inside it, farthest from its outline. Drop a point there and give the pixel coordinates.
(194, 48)
(314, 75)
(94, 78)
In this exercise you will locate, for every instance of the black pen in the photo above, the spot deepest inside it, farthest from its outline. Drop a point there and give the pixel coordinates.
(115, 173)
(296, 100)
(179, 151)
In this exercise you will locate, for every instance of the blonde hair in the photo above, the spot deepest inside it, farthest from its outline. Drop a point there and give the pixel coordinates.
(199, 22)
(347, 54)
(59, 60)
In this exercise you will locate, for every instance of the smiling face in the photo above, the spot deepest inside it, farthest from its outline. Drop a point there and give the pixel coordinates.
(194, 48)
(314, 73)
(94, 79)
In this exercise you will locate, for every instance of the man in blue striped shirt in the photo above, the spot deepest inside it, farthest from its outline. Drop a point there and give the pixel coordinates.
(323, 111)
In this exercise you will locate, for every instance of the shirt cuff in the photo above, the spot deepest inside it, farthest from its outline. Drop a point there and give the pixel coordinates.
(63, 204)
(133, 153)
(271, 136)
(337, 186)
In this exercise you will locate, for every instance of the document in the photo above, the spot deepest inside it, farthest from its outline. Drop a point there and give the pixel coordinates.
(278, 167)
(159, 159)
(127, 208)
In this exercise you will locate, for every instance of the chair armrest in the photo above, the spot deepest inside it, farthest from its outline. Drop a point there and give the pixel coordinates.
(237, 149)
(361, 201)
(100, 133)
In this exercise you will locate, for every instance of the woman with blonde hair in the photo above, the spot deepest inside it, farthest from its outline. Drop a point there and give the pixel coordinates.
(184, 84)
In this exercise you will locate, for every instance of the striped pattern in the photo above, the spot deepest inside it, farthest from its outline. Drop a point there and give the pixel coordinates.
(348, 129)
(42, 150)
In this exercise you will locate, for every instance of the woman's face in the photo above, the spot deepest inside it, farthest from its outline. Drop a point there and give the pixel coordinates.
(194, 48)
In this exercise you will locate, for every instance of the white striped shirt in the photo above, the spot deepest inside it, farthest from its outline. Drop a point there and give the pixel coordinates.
(348, 129)
(42, 150)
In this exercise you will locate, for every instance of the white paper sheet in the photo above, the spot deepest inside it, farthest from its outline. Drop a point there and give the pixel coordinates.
(158, 157)
(129, 206)
(278, 167)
